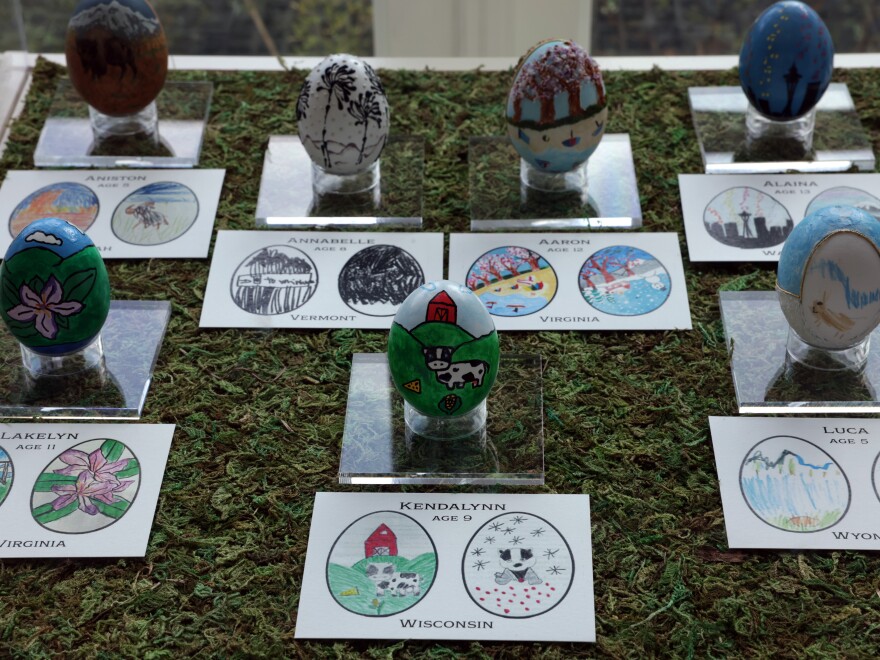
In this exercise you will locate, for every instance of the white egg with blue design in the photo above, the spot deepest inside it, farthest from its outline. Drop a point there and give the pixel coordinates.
(828, 279)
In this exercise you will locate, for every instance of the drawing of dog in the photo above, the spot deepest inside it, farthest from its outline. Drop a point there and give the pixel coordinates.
(387, 579)
(454, 374)
(517, 564)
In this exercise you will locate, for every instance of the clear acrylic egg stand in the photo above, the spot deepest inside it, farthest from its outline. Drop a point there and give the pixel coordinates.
(68, 138)
(290, 199)
(839, 143)
(767, 380)
(131, 337)
(606, 197)
(377, 447)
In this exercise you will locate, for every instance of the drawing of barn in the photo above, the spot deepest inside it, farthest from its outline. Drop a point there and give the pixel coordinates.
(442, 308)
(381, 543)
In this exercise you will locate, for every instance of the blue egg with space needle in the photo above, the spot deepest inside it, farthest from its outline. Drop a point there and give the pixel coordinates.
(786, 61)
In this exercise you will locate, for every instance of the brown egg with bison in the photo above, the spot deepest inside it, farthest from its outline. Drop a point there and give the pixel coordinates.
(117, 55)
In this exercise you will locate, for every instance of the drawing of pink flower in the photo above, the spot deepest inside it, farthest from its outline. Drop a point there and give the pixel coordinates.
(42, 308)
(94, 464)
(86, 489)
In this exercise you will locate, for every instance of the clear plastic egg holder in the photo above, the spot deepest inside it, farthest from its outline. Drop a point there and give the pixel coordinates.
(107, 379)
(168, 133)
(294, 192)
(378, 447)
(736, 139)
(774, 371)
(508, 193)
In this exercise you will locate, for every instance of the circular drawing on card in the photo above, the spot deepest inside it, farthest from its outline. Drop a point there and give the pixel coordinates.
(382, 564)
(7, 474)
(86, 488)
(512, 281)
(377, 279)
(274, 280)
(517, 565)
(793, 485)
(875, 476)
(73, 202)
(845, 196)
(747, 218)
(155, 214)
(624, 281)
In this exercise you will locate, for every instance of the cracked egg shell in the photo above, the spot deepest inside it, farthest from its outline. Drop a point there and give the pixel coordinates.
(828, 278)
(116, 54)
(556, 108)
(342, 115)
(54, 289)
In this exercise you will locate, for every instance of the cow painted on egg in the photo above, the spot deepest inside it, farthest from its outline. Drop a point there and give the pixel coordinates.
(556, 109)
(116, 54)
(54, 289)
(443, 350)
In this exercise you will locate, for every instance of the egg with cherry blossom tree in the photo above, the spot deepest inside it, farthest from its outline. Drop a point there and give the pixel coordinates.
(556, 109)
(54, 289)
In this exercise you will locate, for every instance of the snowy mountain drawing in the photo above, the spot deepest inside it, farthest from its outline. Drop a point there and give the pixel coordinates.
(117, 18)
(793, 485)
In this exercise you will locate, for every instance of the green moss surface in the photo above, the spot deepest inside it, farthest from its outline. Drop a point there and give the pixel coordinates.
(260, 417)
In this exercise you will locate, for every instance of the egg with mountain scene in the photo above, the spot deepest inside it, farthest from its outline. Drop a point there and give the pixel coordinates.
(54, 289)
(443, 350)
(556, 109)
(116, 54)
(828, 278)
(786, 61)
(343, 115)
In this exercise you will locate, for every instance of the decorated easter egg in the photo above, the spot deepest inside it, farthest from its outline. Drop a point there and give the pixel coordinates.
(54, 289)
(786, 60)
(828, 279)
(517, 565)
(116, 54)
(343, 115)
(383, 563)
(87, 487)
(443, 350)
(556, 109)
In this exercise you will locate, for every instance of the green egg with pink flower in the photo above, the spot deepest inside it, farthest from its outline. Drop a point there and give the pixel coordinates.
(54, 289)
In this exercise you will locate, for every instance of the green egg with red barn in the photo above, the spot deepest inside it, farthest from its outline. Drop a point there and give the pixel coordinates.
(54, 289)
(443, 350)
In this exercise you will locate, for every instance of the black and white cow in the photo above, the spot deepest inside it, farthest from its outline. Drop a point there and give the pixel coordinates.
(454, 374)
(399, 584)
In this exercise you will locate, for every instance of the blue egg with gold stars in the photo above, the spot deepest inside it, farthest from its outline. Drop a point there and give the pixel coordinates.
(786, 61)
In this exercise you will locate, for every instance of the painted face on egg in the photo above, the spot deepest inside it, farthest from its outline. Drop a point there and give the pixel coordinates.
(116, 54)
(342, 115)
(556, 109)
(828, 279)
(54, 289)
(443, 350)
(786, 61)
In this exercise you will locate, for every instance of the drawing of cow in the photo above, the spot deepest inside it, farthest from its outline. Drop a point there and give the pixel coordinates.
(454, 374)
(387, 579)
(147, 215)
